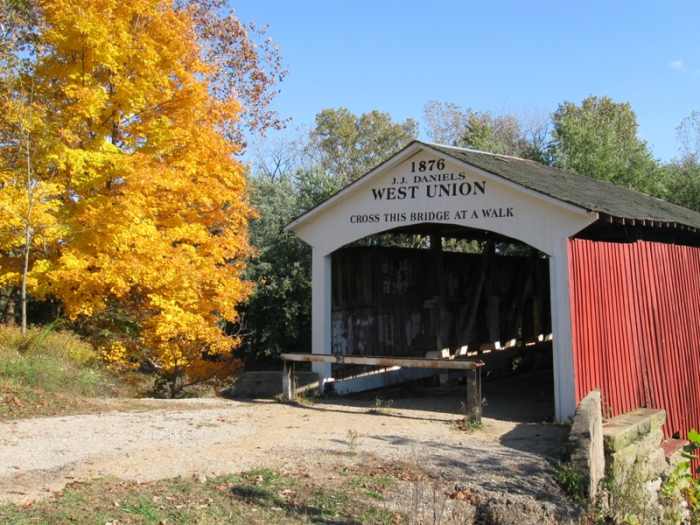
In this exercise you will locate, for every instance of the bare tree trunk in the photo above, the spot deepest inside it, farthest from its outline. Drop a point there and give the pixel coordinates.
(28, 233)
(25, 272)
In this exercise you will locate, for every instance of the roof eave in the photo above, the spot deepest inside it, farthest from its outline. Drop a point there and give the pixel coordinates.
(647, 223)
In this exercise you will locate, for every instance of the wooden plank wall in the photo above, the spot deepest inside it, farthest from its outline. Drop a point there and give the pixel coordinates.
(386, 300)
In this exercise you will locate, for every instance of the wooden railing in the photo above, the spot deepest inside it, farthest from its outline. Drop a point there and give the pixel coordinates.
(473, 372)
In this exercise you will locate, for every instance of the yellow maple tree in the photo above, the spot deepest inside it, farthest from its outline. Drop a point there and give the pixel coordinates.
(154, 203)
(29, 198)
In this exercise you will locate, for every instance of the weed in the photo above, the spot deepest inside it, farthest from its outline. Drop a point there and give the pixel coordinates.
(307, 397)
(572, 481)
(380, 481)
(381, 406)
(256, 496)
(329, 503)
(304, 398)
(47, 340)
(353, 437)
(374, 494)
(680, 488)
(468, 424)
(264, 476)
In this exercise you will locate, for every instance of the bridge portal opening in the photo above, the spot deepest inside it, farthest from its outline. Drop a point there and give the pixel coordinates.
(447, 291)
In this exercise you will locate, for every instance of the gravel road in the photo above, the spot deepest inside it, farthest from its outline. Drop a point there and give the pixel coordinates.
(214, 436)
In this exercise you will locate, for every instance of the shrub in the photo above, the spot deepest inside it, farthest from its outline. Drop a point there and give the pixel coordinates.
(682, 486)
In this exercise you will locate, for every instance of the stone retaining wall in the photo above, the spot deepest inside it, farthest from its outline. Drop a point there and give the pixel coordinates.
(586, 442)
(265, 384)
(633, 440)
(625, 461)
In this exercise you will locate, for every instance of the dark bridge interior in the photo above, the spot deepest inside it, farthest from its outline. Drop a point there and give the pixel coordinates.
(436, 290)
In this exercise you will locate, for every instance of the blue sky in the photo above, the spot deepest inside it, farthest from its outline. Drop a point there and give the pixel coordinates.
(517, 56)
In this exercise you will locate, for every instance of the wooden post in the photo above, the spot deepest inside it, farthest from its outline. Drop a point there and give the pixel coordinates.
(288, 381)
(472, 407)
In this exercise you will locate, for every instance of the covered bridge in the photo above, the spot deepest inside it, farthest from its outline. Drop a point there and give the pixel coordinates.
(439, 250)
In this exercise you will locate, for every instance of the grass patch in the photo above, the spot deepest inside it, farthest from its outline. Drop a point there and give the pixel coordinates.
(53, 361)
(372, 486)
(50, 372)
(256, 496)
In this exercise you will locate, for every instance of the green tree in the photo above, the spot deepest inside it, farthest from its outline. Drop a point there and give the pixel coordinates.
(348, 145)
(682, 176)
(499, 134)
(682, 183)
(277, 317)
(292, 179)
(450, 124)
(598, 138)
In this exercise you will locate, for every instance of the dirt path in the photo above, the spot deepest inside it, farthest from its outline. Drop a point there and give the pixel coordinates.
(38, 456)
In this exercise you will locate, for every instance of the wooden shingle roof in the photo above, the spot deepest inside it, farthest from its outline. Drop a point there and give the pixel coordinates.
(582, 191)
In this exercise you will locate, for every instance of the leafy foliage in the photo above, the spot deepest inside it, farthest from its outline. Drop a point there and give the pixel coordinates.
(29, 200)
(689, 137)
(682, 183)
(683, 483)
(503, 135)
(341, 147)
(129, 194)
(277, 318)
(446, 122)
(572, 481)
(348, 145)
(598, 138)
(246, 64)
(449, 123)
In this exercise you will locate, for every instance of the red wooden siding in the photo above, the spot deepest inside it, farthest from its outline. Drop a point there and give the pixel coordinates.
(636, 327)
